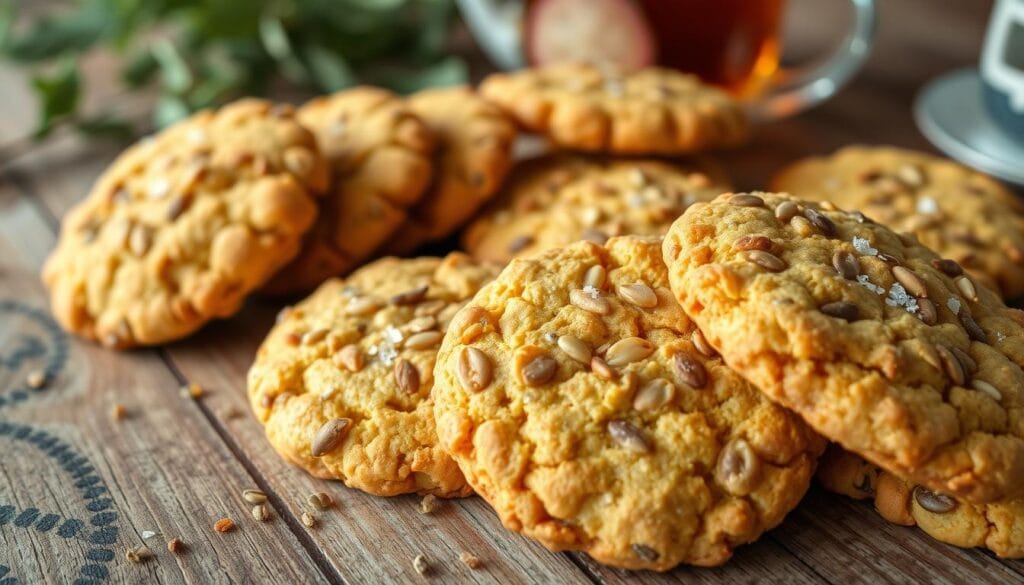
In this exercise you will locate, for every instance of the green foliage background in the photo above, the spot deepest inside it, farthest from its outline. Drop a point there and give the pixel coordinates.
(201, 53)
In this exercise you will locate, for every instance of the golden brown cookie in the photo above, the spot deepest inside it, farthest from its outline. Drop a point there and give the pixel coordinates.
(650, 111)
(954, 210)
(342, 383)
(183, 225)
(872, 338)
(559, 199)
(998, 527)
(474, 152)
(380, 158)
(582, 405)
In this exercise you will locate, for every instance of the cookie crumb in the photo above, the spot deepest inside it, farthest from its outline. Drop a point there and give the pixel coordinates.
(193, 391)
(138, 554)
(421, 565)
(470, 560)
(36, 379)
(119, 412)
(175, 545)
(429, 504)
(224, 525)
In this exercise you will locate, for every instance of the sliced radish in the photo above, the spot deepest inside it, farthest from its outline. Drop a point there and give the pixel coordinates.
(593, 31)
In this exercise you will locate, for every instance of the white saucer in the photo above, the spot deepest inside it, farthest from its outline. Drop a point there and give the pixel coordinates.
(950, 113)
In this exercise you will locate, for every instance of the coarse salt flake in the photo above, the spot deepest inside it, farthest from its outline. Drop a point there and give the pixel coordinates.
(592, 291)
(954, 305)
(863, 279)
(392, 334)
(927, 205)
(898, 297)
(387, 354)
(863, 246)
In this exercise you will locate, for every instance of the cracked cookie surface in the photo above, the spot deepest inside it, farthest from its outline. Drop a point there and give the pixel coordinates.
(954, 210)
(999, 527)
(651, 111)
(342, 382)
(379, 153)
(873, 339)
(183, 225)
(474, 152)
(559, 199)
(576, 398)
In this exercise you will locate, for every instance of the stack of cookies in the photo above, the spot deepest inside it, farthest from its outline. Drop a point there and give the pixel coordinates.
(626, 359)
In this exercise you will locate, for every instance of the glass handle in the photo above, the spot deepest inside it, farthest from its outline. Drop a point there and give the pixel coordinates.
(795, 90)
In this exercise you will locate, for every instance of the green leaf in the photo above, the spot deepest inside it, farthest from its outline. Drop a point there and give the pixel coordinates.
(176, 75)
(139, 70)
(58, 96)
(51, 37)
(105, 125)
(170, 109)
(329, 70)
(448, 71)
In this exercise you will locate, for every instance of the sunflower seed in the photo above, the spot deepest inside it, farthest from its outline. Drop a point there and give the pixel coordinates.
(802, 226)
(429, 504)
(766, 260)
(930, 355)
(628, 350)
(421, 324)
(260, 513)
(575, 348)
(786, 211)
(690, 371)
(602, 369)
(407, 376)
(587, 302)
(966, 287)
(974, 331)
(926, 308)
(361, 306)
(595, 276)
(424, 340)
(746, 200)
(315, 336)
(330, 436)
(701, 344)
(910, 281)
(986, 388)
(519, 243)
(474, 369)
(430, 308)
(308, 519)
(421, 565)
(645, 552)
(952, 366)
(628, 436)
(738, 467)
(410, 297)
(948, 267)
(845, 264)
(820, 221)
(253, 496)
(349, 357)
(911, 175)
(970, 366)
(752, 242)
(320, 500)
(841, 310)
(933, 502)
(639, 294)
(140, 240)
(539, 370)
(654, 394)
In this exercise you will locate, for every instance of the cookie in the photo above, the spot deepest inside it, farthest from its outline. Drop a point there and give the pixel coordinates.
(590, 108)
(954, 210)
(559, 199)
(582, 405)
(474, 152)
(873, 339)
(183, 225)
(380, 153)
(342, 382)
(998, 527)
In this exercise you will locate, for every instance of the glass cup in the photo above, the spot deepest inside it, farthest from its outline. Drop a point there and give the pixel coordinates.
(1002, 67)
(735, 44)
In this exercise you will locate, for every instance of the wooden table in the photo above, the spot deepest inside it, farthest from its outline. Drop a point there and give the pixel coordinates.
(79, 488)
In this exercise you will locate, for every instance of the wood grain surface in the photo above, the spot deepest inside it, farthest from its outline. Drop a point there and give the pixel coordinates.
(79, 487)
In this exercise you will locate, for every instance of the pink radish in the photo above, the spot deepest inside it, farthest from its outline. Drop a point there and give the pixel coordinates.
(595, 31)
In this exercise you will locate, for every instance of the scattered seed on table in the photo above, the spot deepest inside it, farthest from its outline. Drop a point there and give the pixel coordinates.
(470, 560)
(429, 504)
(175, 545)
(224, 525)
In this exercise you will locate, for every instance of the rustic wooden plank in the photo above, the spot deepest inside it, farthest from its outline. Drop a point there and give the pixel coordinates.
(77, 488)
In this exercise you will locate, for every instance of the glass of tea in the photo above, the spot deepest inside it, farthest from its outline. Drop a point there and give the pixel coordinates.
(735, 44)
